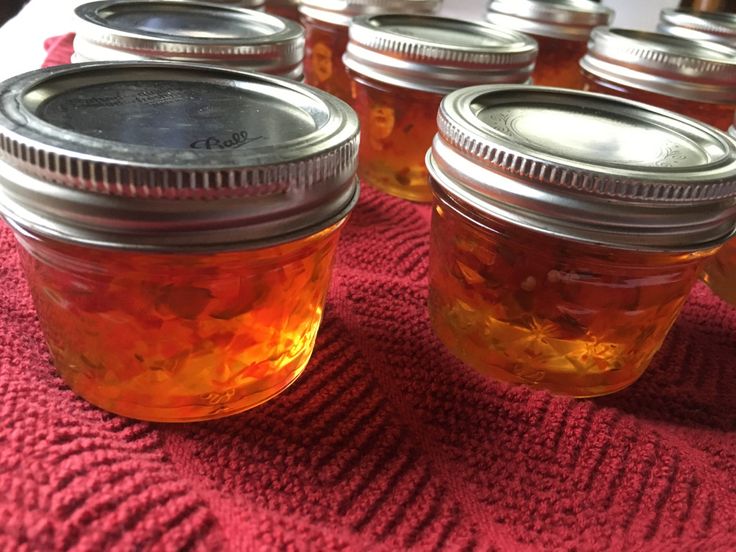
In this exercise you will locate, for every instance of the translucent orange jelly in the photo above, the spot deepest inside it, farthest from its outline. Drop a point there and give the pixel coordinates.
(557, 62)
(397, 128)
(526, 307)
(324, 47)
(179, 337)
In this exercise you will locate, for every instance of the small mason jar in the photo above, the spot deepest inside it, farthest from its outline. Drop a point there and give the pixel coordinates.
(567, 231)
(284, 8)
(224, 35)
(719, 271)
(694, 78)
(401, 67)
(698, 25)
(560, 27)
(177, 225)
(326, 23)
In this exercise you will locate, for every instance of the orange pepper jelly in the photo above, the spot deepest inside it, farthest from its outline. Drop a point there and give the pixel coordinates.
(186, 30)
(177, 225)
(694, 78)
(402, 66)
(326, 23)
(568, 229)
(284, 8)
(560, 27)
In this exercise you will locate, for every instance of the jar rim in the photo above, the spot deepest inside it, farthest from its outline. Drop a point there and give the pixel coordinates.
(188, 30)
(670, 183)
(663, 63)
(561, 19)
(437, 54)
(79, 156)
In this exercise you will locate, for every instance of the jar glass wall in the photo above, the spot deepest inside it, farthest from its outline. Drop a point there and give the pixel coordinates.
(566, 316)
(323, 50)
(397, 128)
(179, 337)
(558, 62)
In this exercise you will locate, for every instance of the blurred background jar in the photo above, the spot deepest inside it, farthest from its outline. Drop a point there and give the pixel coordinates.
(401, 67)
(728, 6)
(182, 30)
(560, 27)
(699, 25)
(284, 8)
(567, 231)
(326, 24)
(177, 225)
(246, 4)
(695, 78)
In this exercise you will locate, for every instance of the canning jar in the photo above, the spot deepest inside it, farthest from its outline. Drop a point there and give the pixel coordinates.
(694, 78)
(567, 231)
(724, 6)
(698, 25)
(177, 225)
(326, 24)
(401, 67)
(560, 27)
(284, 8)
(124, 30)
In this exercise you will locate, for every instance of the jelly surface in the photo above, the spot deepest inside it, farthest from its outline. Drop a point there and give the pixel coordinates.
(179, 337)
(530, 308)
(558, 62)
(718, 115)
(325, 44)
(397, 127)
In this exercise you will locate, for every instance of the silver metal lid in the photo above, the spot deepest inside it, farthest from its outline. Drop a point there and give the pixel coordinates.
(567, 19)
(163, 155)
(698, 25)
(437, 54)
(341, 12)
(586, 166)
(126, 30)
(665, 64)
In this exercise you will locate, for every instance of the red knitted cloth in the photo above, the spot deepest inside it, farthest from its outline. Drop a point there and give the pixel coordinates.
(386, 442)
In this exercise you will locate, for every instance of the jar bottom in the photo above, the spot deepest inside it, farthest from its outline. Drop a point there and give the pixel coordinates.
(199, 408)
(415, 188)
(568, 382)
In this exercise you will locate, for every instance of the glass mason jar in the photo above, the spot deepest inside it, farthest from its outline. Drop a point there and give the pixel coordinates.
(699, 25)
(177, 225)
(719, 271)
(401, 67)
(694, 78)
(567, 231)
(224, 35)
(326, 23)
(284, 8)
(560, 27)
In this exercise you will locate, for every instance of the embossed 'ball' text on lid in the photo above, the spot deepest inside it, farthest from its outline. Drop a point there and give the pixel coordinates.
(437, 54)
(587, 166)
(163, 155)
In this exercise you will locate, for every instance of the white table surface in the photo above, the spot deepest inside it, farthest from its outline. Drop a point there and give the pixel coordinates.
(21, 38)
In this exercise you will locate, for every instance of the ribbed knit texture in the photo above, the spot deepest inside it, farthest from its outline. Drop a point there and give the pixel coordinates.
(386, 442)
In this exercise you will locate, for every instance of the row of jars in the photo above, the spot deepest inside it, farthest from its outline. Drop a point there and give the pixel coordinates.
(166, 213)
